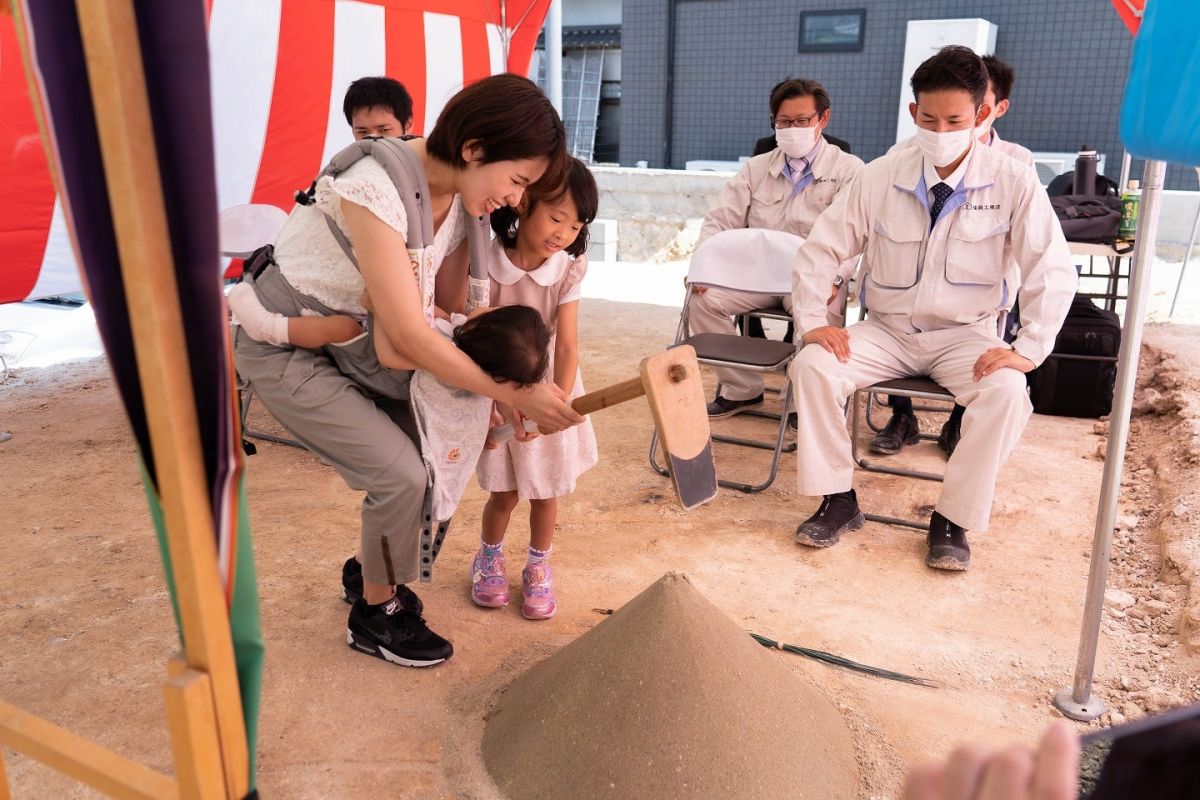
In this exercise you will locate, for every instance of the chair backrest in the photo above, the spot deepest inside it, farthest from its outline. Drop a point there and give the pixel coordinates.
(247, 227)
(750, 259)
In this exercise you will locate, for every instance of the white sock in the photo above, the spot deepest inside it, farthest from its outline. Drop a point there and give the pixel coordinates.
(259, 324)
(537, 556)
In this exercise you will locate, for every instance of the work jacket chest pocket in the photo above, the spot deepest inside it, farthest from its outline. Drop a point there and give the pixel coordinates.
(894, 252)
(819, 195)
(769, 194)
(975, 252)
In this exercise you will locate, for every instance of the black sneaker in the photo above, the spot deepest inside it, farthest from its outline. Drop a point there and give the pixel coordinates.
(389, 632)
(948, 548)
(352, 588)
(838, 513)
(949, 436)
(900, 430)
(723, 407)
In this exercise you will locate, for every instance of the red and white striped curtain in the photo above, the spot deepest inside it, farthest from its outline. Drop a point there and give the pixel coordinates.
(280, 69)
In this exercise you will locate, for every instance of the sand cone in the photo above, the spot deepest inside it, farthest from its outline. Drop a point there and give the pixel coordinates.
(667, 698)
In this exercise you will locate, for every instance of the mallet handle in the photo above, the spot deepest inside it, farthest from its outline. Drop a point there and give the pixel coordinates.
(609, 396)
(586, 404)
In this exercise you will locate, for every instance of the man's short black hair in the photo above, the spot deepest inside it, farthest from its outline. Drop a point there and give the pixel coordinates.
(378, 92)
(1001, 75)
(952, 68)
(799, 87)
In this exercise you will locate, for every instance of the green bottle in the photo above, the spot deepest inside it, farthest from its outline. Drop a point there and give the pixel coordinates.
(1131, 201)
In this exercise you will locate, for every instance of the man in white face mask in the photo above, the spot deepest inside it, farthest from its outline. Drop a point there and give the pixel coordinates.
(785, 190)
(902, 429)
(939, 227)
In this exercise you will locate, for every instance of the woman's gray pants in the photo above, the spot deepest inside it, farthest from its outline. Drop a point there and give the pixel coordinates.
(367, 437)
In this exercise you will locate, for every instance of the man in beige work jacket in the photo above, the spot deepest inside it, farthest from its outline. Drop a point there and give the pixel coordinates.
(938, 227)
(784, 190)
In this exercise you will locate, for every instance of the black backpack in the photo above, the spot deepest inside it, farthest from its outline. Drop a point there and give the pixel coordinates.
(1088, 217)
(1065, 184)
(1079, 387)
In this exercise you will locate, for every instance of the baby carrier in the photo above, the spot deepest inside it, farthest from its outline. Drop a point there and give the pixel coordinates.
(452, 422)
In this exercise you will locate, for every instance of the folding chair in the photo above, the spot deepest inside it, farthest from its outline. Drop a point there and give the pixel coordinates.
(919, 388)
(753, 260)
(244, 229)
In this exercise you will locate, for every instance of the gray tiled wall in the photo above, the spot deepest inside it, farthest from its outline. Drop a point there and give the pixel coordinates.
(1070, 56)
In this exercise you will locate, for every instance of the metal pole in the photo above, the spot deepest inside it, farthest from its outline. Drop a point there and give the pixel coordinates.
(504, 35)
(1187, 256)
(1078, 702)
(1124, 180)
(554, 84)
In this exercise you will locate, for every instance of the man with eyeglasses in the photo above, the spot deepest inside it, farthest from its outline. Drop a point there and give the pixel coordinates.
(784, 190)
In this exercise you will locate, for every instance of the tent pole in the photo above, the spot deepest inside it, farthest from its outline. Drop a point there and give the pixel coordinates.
(115, 73)
(1187, 256)
(1078, 702)
(554, 77)
(504, 34)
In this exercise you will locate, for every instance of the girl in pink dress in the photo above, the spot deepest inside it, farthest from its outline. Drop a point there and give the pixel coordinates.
(537, 260)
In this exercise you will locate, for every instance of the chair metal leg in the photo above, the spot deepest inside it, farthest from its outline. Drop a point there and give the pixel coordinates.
(247, 397)
(777, 449)
(871, 467)
(661, 470)
(898, 521)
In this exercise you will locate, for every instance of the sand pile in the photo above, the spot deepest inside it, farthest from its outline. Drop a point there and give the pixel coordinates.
(667, 698)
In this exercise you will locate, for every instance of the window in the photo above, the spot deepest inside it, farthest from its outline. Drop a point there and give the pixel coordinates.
(832, 31)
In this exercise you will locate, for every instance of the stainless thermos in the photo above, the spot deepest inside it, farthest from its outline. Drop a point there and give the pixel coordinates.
(1085, 171)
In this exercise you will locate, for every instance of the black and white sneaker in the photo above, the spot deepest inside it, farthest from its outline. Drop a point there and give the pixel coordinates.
(389, 632)
(352, 588)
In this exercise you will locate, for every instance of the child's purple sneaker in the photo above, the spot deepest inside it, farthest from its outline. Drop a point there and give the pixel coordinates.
(537, 591)
(489, 582)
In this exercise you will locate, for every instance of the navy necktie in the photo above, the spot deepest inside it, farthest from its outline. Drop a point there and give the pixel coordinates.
(940, 193)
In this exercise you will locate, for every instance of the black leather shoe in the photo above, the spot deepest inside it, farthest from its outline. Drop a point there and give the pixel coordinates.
(900, 430)
(950, 434)
(723, 407)
(948, 548)
(838, 512)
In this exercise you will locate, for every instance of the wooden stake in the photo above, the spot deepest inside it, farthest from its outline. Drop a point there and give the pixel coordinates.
(117, 81)
(194, 741)
(81, 758)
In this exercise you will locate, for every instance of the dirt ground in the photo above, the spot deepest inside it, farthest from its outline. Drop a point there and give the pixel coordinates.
(86, 626)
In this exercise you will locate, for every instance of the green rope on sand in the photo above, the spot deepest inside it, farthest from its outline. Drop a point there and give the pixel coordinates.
(845, 663)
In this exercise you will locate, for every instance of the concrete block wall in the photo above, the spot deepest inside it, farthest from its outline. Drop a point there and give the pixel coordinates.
(657, 212)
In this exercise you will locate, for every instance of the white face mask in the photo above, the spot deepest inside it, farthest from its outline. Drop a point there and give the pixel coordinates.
(941, 149)
(796, 142)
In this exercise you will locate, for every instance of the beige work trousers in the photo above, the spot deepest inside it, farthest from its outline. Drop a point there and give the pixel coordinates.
(998, 409)
(713, 311)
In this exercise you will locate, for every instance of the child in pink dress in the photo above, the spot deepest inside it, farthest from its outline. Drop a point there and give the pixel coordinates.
(537, 260)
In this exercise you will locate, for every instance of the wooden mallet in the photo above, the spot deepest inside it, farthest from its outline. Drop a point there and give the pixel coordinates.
(672, 385)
